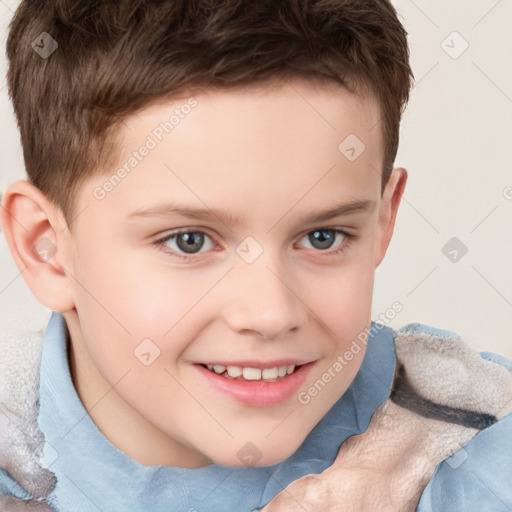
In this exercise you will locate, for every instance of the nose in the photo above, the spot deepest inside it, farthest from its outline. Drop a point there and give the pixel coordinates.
(262, 301)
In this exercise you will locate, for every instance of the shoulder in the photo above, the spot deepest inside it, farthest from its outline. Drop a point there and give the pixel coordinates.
(482, 470)
(478, 476)
(20, 436)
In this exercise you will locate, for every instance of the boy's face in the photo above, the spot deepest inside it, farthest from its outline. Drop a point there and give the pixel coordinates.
(265, 285)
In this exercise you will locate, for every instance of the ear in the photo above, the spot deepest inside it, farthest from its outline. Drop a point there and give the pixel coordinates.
(36, 233)
(389, 207)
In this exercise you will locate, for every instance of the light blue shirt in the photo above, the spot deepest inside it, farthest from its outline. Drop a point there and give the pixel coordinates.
(93, 475)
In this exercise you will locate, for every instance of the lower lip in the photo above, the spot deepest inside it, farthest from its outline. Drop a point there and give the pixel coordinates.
(258, 393)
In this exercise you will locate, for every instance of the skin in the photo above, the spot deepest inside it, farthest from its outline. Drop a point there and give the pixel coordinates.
(268, 155)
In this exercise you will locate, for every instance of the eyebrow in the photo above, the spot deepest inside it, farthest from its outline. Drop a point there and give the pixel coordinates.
(169, 210)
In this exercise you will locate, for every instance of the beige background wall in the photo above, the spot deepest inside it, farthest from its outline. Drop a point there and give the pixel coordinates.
(456, 143)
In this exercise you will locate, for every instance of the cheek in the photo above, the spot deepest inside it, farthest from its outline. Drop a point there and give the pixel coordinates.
(137, 287)
(342, 296)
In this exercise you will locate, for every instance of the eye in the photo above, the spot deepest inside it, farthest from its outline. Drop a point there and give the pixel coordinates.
(324, 238)
(184, 242)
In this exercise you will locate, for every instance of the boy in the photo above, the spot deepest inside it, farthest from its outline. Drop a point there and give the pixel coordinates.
(182, 378)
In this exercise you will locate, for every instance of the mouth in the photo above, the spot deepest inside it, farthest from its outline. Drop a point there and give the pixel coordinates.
(248, 373)
(255, 386)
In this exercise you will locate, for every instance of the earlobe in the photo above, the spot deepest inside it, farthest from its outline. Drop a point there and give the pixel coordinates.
(390, 202)
(31, 227)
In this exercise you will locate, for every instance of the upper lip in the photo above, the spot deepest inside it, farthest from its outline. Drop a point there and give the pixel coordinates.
(260, 364)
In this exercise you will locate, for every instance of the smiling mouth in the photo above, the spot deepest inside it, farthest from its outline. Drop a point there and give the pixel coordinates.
(252, 374)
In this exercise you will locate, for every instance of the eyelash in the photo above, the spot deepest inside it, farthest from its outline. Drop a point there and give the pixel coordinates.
(160, 243)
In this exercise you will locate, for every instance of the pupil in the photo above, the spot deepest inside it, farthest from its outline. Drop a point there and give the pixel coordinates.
(321, 238)
(189, 242)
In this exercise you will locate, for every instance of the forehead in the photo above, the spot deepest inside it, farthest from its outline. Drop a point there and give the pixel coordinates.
(247, 146)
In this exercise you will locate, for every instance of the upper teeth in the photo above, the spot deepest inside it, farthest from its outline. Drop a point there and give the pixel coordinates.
(253, 373)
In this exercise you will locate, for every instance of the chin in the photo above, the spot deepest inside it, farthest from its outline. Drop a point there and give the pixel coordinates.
(253, 455)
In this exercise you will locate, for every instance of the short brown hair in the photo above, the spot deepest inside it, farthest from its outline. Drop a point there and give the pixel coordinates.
(116, 57)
